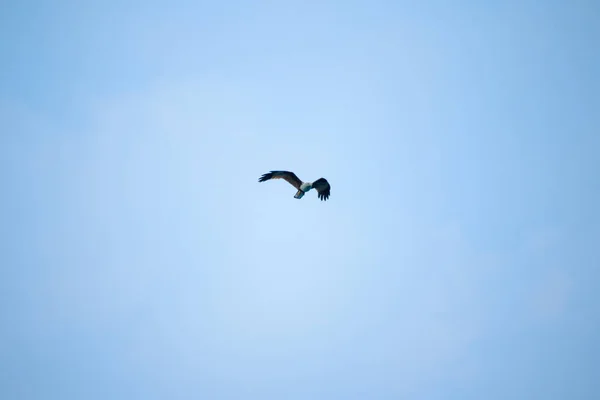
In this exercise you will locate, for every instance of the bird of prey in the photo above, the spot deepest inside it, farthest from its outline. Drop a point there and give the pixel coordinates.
(320, 185)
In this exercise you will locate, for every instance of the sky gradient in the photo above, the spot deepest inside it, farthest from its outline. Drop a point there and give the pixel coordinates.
(457, 257)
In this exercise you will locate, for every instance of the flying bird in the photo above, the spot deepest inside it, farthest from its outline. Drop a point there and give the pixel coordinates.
(320, 185)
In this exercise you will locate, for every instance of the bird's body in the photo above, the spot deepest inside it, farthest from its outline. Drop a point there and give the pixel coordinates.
(320, 185)
(306, 186)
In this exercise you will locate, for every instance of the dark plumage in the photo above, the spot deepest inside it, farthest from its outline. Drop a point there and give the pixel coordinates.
(322, 187)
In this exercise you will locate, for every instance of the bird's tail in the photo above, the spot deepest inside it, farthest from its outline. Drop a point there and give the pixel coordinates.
(299, 194)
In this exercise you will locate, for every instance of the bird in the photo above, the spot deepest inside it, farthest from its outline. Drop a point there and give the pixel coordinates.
(320, 185)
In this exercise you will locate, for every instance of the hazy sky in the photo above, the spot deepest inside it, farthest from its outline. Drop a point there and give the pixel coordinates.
(457, 257)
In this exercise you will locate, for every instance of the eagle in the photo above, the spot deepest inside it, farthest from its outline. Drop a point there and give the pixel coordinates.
(320, 185)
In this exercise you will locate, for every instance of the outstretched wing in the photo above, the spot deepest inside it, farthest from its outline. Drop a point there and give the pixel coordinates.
(322, 187)
(288, 176)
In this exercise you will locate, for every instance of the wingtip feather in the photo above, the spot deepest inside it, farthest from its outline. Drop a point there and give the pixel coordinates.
(266, 177)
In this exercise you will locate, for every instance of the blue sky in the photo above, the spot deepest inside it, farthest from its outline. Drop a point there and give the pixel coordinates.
(457, 257)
